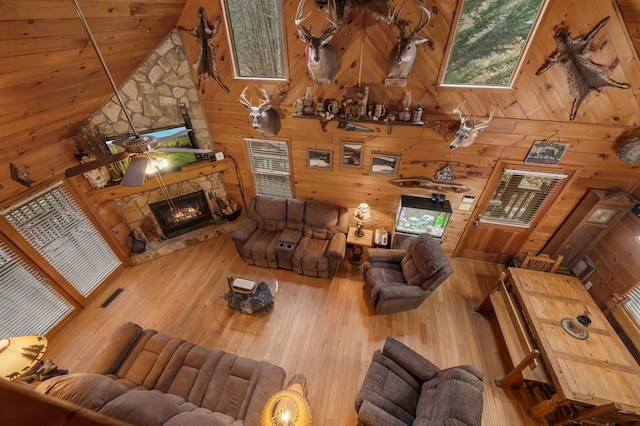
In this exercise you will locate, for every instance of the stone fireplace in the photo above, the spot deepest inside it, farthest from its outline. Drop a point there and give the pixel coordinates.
(182, 214)
(136, 209)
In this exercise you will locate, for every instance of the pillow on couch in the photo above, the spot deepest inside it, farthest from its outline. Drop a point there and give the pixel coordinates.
(89, 390)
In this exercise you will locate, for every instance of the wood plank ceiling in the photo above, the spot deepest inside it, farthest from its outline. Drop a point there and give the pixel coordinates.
(51, 80)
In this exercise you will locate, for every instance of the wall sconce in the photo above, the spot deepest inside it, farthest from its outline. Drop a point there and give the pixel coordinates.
(20, 174)
(638, 239)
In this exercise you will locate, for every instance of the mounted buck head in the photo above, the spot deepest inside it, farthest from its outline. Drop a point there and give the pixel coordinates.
(322, 62)
(263, 118)
(467, 133)
(403, 55)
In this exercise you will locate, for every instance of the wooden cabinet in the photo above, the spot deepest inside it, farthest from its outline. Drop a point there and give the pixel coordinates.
(588, 223)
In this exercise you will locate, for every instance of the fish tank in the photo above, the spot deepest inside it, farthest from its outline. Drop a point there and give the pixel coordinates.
(418, 215)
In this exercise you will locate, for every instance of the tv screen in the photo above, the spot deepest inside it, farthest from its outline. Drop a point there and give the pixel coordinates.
(174, 160)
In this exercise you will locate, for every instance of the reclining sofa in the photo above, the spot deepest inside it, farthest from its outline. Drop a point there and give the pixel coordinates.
(402, 387)
(308, 237)
(147, 378)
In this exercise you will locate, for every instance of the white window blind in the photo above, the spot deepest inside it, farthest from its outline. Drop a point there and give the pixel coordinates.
(632, 304)
(269, 161)
(53, 224)
(520, 196)
(28, 303)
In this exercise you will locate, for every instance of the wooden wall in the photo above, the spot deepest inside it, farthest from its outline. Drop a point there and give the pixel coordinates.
(41, 106)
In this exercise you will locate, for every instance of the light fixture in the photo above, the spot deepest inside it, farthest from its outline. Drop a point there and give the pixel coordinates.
(288, 407)
(638, 239)
(18, 355)
(20, 174)
(363, 214)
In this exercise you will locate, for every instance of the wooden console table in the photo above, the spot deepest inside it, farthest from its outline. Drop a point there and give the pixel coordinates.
(594, 372)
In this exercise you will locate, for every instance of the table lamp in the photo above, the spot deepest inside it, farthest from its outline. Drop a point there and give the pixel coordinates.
(20, 354)
(288, 407)
(363, 214)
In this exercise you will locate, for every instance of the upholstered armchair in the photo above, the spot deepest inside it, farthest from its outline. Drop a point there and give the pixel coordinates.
(402, 387)
(400, 280)
(324, 240)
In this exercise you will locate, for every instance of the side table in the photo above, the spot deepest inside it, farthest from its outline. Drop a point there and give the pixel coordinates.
(358, 244)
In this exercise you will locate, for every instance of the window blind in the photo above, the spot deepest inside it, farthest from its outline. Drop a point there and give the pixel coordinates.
(632, 303)
(53, 224)
(28, 303)
(269, 161)
(520, 196)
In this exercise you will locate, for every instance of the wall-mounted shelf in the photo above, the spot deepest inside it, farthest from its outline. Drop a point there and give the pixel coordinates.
(361, 121)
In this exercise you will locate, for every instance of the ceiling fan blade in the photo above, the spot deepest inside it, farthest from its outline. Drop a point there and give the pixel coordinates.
(194, 150)
(134, 176)
(100, 162)
(173, 136)
(120, 140)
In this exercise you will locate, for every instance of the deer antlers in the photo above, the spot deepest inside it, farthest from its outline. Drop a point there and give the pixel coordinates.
(264, 103)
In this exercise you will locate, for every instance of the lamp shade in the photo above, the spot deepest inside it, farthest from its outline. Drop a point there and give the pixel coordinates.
(362, 213)
(19, 354)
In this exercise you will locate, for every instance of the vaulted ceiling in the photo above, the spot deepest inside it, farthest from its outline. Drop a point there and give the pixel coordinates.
(51, 80)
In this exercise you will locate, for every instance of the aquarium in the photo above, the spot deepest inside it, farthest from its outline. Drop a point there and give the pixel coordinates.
(418, 215)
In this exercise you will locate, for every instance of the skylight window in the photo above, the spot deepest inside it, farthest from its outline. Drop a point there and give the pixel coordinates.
(256, 38)
(490, 38)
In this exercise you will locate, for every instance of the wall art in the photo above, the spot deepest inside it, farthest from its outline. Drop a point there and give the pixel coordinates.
(382, 164)
(546, 153)
(319, 159)
(351, 154)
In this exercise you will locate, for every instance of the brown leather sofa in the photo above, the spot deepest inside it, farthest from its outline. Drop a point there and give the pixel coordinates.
(144, 377)
(402, 387)
(400, 280)
(308, 237)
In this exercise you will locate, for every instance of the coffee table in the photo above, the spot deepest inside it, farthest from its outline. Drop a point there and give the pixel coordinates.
(250, 291)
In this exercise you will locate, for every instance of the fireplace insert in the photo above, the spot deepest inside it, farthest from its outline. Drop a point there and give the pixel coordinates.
(188, 213)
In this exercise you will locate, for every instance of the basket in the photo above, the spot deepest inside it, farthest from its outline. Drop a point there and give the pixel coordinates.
(233, 216)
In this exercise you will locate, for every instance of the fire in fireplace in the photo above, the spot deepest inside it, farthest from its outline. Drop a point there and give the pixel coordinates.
(190, 212)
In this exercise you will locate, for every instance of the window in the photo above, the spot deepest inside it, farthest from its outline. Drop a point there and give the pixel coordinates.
(490, 38)
(520, 196)
(632, 304)
(55, 226)
(256, 38)
(28, 303)
(269, 161)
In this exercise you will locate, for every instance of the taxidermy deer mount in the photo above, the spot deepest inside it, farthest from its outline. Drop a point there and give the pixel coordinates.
(205, 65)
(583, 75)
(404, 53)
(263, 118)
(468, 132)
(322, 62)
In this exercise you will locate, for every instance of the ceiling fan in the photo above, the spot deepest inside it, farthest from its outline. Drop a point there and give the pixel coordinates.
(138, 147)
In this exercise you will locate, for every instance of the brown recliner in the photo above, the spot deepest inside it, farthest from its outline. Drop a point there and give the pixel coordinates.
(402, 387)
(324, 238)
(400, 280)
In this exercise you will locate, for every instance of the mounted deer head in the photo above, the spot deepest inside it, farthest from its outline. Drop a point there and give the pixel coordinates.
(403, 55)
(467, 133)
(263, 118)
(322, 62)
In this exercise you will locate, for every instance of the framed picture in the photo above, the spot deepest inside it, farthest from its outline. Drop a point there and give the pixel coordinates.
(351, 154)
(546, 153)
(382, 164)
(319, 159)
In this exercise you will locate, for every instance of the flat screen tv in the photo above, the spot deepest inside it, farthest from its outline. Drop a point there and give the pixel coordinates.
(175, 160)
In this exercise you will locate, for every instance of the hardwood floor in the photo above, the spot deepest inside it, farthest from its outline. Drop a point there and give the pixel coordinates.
(321, 328)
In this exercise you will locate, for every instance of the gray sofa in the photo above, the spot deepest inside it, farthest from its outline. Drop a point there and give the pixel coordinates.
(401, 387)
(308, 237)
(147, 378)
(400, 280)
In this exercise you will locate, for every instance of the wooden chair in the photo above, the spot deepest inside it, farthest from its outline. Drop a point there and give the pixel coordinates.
(541, 262)
(608, 414)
